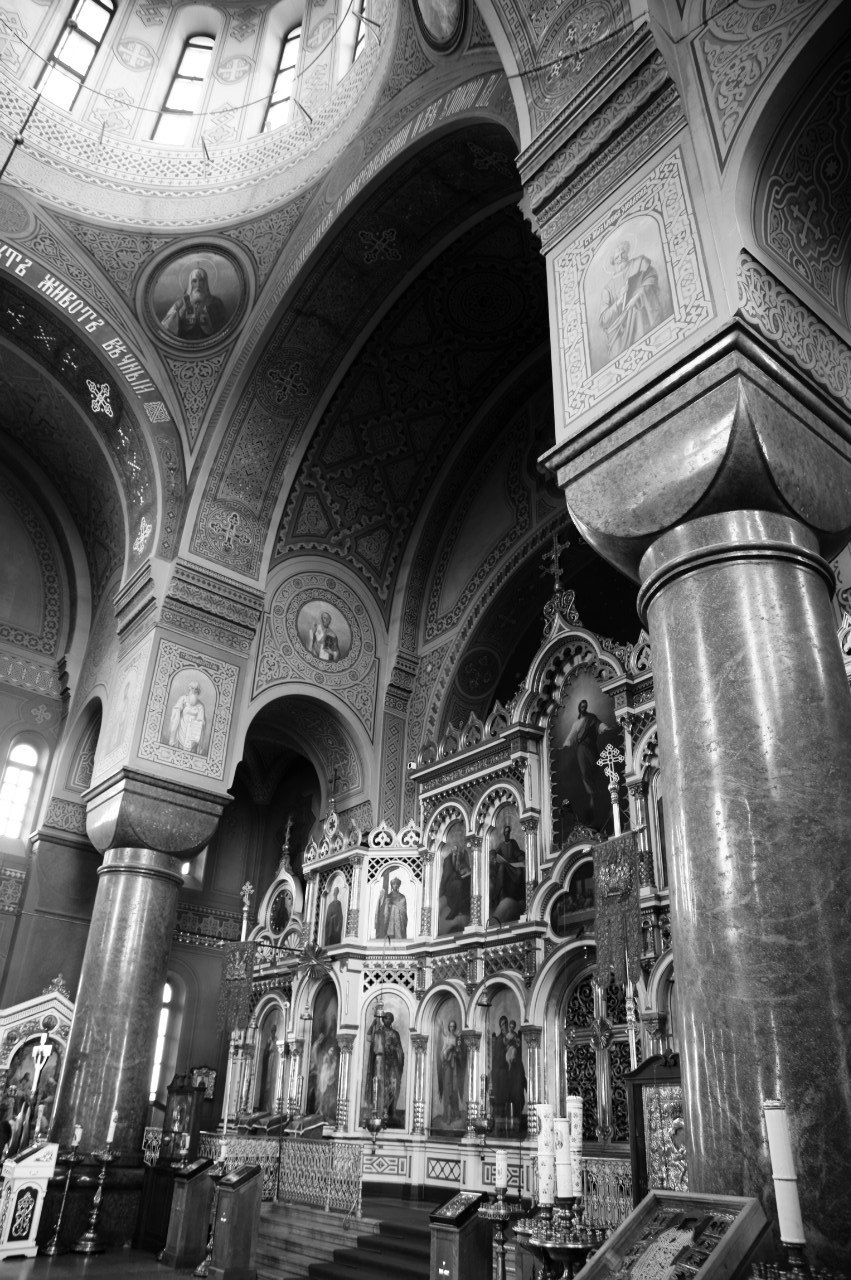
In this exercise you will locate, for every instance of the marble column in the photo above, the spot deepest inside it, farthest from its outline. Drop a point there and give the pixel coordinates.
(296, 1078)
(145, 827)
(638, 805)
(756, 788)
(429, 891)
(419, 1044)
(719, 493)
(345, 1043)
(530, 1037)
(111, 1046)
(474, 852)
(530, 827)
(476, 1104)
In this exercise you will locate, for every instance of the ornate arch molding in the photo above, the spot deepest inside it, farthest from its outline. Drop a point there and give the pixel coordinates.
(493, 799)
(800, 201)
(559, 879)
(558, 972)
(438, 825)
(289, 651)
(426, 1009)
(571, 651)
(308, 722)
(51, 585)
(74, 343)
(742, 54)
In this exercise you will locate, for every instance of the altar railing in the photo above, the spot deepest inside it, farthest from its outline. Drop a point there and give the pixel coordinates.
(311, 1170)
(330, 1174)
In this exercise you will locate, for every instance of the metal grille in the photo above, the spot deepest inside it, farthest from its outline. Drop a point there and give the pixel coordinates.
(620, 1065)
(607, 1187)
(389, 973)
(449, 966)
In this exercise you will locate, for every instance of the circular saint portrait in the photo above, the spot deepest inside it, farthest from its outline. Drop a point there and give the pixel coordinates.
(324, 632)
(196, 297)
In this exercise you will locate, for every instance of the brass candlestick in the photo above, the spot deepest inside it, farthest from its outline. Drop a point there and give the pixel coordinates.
(500, 1212)
(90, 1241)
(216, 1173)
(53, 1248)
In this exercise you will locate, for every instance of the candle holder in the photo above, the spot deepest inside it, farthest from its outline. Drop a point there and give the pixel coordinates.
(90, 1242)
(375, 1123)
(484, 1124)
(216, 1174)
(52, 1249)
(500, 1212)
(797, 1269)
(558, 1239)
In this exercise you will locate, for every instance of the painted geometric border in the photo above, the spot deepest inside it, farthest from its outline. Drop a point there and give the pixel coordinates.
(172, 658)
(664, 192)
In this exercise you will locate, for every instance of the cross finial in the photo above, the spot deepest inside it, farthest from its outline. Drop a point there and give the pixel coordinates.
(608, 762)
(553, 560)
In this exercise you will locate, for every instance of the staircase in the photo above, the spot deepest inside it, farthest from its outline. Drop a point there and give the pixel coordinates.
(293, 1236)
(392, 1240)
(399, 1250)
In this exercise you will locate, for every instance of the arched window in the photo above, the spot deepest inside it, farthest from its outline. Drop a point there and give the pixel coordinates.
(74, 52)
(278, 110)
(352, 35)
(185, 95)
(17, 788)
(168, 1036)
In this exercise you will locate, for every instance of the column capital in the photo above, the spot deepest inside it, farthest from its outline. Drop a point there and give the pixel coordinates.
(133, 810)
(471, 1039)
(531, 1033)
(726, 431)
(346, 1041)
(419, 1041)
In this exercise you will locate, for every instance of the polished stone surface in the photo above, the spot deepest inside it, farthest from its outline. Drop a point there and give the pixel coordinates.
(754, 719)
(101, 1266)
(134, 809)
(725, 434)
(113, 1035)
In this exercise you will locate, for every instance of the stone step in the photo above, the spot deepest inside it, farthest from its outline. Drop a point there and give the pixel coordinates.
(292, 1237)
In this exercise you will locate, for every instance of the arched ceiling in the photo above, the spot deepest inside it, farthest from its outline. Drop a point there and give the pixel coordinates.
(431, 199)
(50, 430)
(452, 340)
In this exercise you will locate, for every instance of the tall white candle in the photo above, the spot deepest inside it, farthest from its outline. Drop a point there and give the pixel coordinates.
(573, 1109)
(78, 1136)
(110, 1133)
(546, 1141)
(500, 1177)
(783, 1172)
(546, 1178)
(564, 1163)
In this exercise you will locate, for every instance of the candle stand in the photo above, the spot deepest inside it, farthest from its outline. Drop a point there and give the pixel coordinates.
(217, 1172)
(797, 1267)
(90, 1242)
(52, 1249)
(500, 1212)
(557, 1238)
